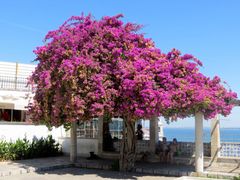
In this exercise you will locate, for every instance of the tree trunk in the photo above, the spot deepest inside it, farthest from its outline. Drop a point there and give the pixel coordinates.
(128, 147)
(73, 150)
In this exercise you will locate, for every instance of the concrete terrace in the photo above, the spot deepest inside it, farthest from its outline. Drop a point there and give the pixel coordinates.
(217, 170)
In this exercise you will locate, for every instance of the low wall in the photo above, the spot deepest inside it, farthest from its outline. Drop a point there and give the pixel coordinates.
(230, 149)
(14, 131)
(19, 130)
(142, 146)
(186, 148)
(84, 146)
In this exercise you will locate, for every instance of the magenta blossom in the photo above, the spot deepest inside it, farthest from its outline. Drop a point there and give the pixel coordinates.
(89, 68)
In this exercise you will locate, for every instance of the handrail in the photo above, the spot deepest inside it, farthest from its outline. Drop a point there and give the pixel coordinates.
(14, 83)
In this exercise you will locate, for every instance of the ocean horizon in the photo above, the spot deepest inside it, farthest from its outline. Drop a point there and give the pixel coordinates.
(187, 134)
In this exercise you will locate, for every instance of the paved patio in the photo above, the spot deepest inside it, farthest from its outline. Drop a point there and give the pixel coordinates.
(219, 170)
(33, 165)
(84, 174)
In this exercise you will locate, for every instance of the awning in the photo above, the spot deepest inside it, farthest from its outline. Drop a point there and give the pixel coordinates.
(13, 100)
(7, 105)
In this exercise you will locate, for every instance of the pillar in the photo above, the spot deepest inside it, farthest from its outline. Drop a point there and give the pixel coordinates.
(199, 142)
(160, 132)
(22, 116)
(11, 116)
(153, 135)
(215, 139)
(100, 135)
(73, 137)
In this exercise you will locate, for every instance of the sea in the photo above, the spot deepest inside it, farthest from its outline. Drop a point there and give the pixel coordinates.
(188, 134)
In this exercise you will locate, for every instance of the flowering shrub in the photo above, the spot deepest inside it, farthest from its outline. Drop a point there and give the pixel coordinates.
(89, 68)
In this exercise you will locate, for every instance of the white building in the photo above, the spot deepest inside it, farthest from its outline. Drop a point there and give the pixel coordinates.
(15, 96)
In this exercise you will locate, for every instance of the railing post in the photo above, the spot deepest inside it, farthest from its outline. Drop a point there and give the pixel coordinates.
(16, 75)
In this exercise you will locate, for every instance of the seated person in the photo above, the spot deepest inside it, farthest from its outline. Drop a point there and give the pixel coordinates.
(162, 150)
(173, 150)
(139, 132)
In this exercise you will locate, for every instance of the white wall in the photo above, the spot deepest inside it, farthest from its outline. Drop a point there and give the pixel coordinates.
(16, 69)
(84, 146)
(14, 131)
(18, 99)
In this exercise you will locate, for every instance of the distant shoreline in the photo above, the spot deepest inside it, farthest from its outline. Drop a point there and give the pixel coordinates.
(187, 134)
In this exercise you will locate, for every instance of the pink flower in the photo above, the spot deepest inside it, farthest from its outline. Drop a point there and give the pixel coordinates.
(89, 68)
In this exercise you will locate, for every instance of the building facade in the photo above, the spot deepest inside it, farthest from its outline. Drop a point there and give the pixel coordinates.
(15, 94)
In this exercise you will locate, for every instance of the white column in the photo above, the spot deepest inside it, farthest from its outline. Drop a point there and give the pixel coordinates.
(22, 116)
(100, 135)
(73, 150)
(215, 138)
(153, 134)
(11, 116)
(199, 142)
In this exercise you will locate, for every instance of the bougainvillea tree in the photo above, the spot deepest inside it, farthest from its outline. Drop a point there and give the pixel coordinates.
(193, 92)
(90, 68)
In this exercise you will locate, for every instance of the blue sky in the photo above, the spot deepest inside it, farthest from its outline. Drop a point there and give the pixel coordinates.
(210, 30)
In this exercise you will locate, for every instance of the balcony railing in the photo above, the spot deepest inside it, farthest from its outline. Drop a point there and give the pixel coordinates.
(14, 83)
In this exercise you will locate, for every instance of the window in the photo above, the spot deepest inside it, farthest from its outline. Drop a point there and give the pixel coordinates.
(12, 115)
(116, 127)
(88, 129)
